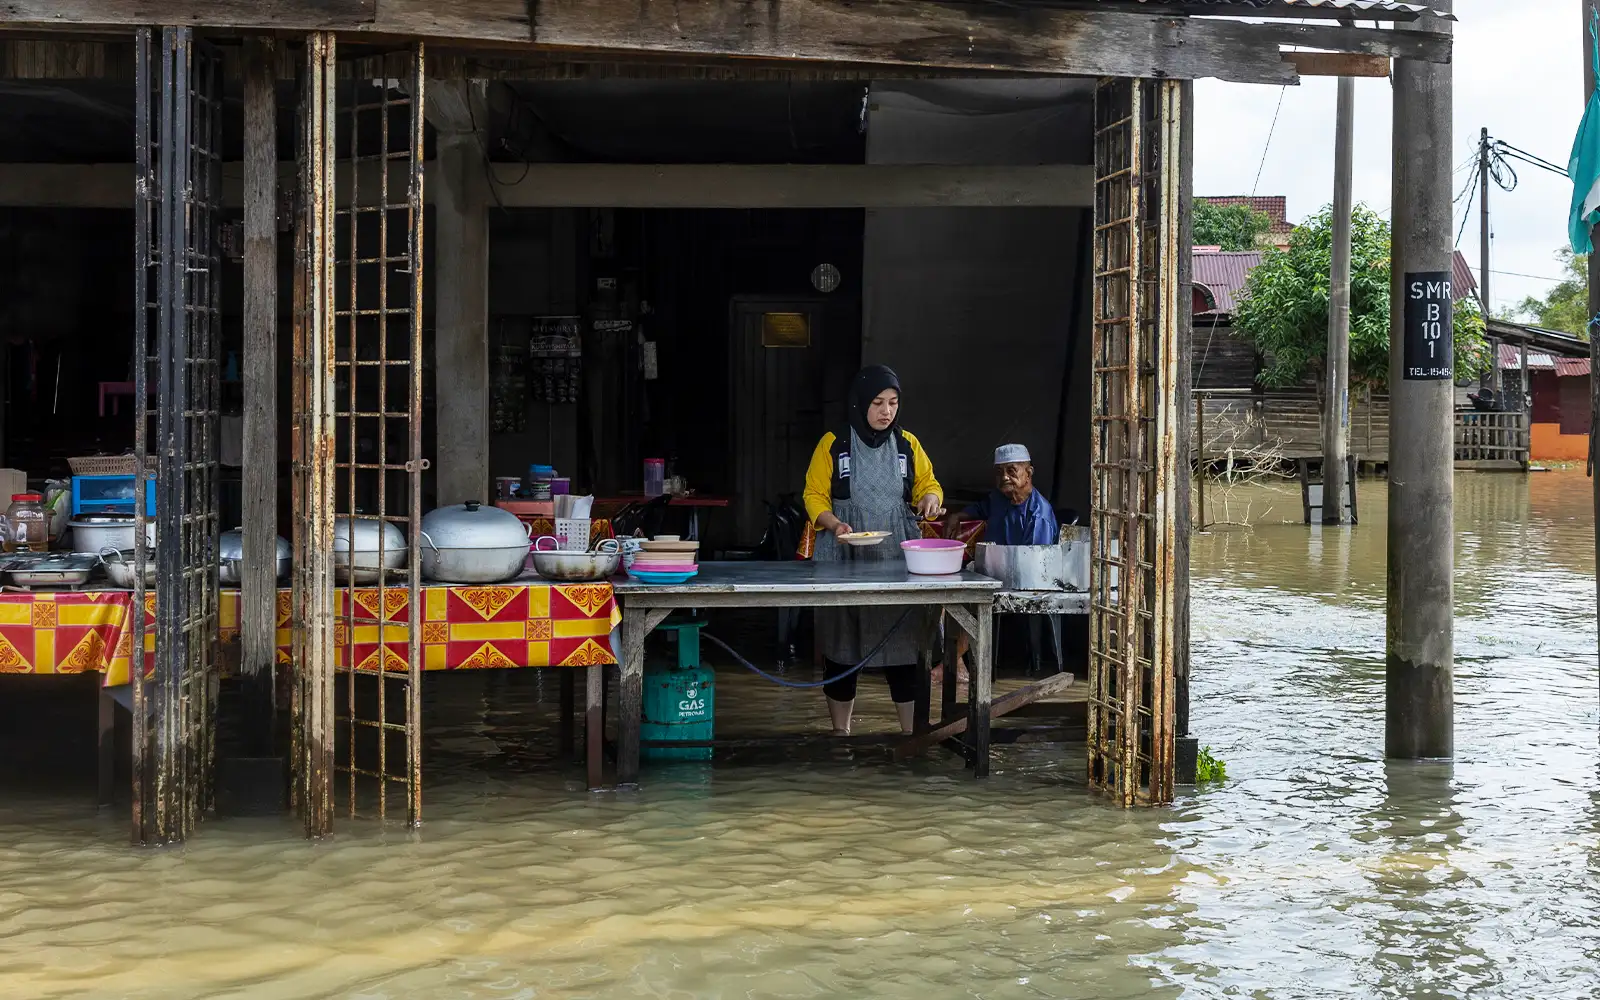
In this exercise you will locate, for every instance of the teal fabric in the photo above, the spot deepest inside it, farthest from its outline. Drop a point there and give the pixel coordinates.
(1584, 164)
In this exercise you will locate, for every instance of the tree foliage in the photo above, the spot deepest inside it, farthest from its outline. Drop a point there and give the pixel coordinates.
(1284, 307)
(1231, 227)
(1566, 306)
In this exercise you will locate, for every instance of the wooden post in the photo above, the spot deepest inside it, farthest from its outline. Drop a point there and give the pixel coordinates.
(258, 599)
(1419, 671)
(1589, 7)
(1336, 398)
(1490, 379)
(1200, 454)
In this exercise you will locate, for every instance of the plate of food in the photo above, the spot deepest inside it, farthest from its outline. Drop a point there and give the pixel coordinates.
(861, 539)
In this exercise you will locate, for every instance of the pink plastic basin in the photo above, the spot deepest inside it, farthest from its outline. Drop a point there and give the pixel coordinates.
(934, 556)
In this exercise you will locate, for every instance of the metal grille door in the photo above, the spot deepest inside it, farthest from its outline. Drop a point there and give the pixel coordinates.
(377, 360)
(178, 133)
(1134, 439)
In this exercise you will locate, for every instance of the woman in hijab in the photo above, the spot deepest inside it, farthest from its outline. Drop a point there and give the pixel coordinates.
(869, 476)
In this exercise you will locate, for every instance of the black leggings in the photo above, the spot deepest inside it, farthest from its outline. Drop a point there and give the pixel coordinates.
(902, 680)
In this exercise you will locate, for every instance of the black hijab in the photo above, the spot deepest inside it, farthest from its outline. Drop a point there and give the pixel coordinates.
(864, 388)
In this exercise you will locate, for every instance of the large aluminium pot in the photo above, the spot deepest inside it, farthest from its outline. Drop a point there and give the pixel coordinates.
(472, 543)
(230, 557)
(355, 548)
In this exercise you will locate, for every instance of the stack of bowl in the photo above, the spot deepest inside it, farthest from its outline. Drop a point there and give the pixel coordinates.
(665, 559)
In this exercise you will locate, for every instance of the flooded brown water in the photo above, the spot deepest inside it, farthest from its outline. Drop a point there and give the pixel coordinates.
(1317, 870)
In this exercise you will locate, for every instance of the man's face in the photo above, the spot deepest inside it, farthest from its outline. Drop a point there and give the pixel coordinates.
(1015, 480)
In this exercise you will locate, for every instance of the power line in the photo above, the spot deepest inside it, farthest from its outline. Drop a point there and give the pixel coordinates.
(1271, 129)
(1467, 213)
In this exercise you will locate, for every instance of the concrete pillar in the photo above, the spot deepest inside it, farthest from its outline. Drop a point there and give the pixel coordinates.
(1420, 664)
(461, 319)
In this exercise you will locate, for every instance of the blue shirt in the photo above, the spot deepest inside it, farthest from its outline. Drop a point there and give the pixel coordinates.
(1031, 522)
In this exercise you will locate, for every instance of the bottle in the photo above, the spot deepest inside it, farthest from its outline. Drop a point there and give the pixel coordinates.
(655, 475)
(29, 522)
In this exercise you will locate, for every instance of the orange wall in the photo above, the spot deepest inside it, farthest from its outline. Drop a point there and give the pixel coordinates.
(1550, 445)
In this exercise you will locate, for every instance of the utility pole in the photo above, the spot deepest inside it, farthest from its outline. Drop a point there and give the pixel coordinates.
(1336, 400)
(1419, 675)
(1490, 379)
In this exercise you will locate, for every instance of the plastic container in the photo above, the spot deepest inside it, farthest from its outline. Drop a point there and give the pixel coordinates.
(934, 556)
(560, 486)
(655, 477)
(27, 524)
(572, 534)
(540, 482)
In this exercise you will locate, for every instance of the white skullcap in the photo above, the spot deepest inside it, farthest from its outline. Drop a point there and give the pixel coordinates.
(1008, 453)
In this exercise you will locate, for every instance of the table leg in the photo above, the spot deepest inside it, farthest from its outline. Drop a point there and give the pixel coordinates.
(981, 691)
(108, 748)
(635, 627)
(594, 725)
(569, 704)
(694, 524)
(919, 711)
(952, 668)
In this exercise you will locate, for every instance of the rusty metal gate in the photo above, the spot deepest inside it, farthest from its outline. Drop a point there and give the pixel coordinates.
(359, 434)
(178, 130)
(1134, 446)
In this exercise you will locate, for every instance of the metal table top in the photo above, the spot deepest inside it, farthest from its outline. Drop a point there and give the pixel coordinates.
(808, 583)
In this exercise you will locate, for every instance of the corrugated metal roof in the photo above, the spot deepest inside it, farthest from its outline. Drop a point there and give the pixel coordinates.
(1511, 357)
(1572, 366)
(1224, 273)
(1465, 282)
(1386, 9)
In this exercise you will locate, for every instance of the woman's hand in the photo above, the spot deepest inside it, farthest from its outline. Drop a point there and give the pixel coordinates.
(929, 508)
(828, 522)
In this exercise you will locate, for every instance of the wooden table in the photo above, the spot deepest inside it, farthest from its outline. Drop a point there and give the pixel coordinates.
(966, 599)
(693, 502)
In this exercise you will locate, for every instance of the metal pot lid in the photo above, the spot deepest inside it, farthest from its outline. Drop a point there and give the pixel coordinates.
(54, 562)
(473, 526)
(361, 535)
(231, 545)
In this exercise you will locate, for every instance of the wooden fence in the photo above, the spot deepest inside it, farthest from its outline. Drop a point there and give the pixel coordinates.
(1491, 440)
(1244, 425)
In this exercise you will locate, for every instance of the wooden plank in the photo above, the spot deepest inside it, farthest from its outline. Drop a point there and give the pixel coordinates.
(259, 368)
(1001, 706)
(631, 185)
(967, 37)
(594, 727)
(950, 36)
(293, 15)
(1338, 64)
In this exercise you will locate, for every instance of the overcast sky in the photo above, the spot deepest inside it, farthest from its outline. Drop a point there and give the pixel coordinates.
(1518, 72)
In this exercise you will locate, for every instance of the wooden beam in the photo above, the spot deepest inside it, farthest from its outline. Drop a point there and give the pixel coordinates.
(1003, 705)
(258, 600)
(575, 185)
(952, 37)
(628, 185)
(1338, 64)
(289, 15)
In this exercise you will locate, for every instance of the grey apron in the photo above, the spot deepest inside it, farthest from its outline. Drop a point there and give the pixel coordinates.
(877, 503)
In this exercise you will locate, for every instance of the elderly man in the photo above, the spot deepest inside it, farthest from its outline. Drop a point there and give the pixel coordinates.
(1015, 512)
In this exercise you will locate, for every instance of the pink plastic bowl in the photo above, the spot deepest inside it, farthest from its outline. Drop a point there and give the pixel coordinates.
(934, 556)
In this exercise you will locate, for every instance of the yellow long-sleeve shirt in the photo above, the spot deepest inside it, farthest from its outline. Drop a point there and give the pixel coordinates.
(819, 476)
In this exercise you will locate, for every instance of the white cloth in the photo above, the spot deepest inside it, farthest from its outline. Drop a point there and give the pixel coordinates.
(1008, 453)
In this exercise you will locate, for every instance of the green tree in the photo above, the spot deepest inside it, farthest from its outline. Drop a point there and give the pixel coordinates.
(1284, 308)
(1231, 227)
(1566, 306)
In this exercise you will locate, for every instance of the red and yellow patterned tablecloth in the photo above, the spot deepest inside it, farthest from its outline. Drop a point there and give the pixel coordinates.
(463, 628)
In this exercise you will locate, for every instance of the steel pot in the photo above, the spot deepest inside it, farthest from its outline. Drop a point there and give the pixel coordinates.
(471, 543)
(93, 533)
(230, 557)
(578, 567)
(355, 548)
(119, 564)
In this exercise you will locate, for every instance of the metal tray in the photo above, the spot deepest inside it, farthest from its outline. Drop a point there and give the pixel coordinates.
(60, 570)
